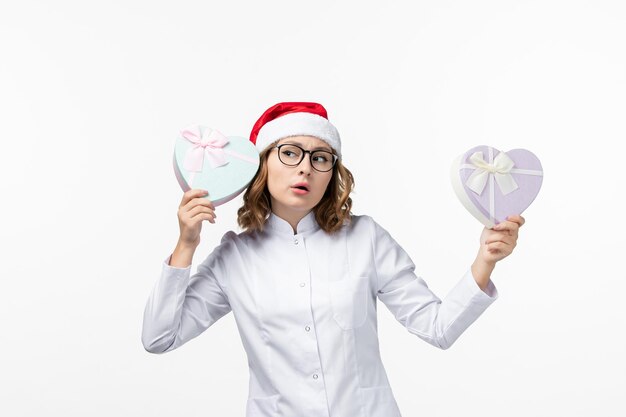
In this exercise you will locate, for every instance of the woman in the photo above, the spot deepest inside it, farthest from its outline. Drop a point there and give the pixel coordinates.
(303, 278)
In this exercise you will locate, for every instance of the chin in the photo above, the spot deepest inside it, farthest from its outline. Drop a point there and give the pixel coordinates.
(300, 205)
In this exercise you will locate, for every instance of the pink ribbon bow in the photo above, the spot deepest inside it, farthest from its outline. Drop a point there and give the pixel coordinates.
(210, 141)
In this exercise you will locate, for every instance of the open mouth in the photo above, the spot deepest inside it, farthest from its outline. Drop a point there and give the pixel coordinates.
(301, 186)
(300, 189)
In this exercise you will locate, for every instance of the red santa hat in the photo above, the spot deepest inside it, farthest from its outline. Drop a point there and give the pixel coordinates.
(294, 119)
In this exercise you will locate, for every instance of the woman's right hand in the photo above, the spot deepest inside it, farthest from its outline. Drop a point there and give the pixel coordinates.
(193, 209)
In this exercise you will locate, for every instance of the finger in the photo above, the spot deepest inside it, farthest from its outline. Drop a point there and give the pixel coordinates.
(199, 201)
(200, 209)
(506, 225)
(520, 220)
(202, 201)
(205, 216)
(508, 240)
(191, 194)
(517, 219)
(509, 227)
(499, 247)
(199, 218)
(499, 237)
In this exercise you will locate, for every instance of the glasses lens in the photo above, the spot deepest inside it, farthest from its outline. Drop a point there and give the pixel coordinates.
(290, 155)
(322, 160)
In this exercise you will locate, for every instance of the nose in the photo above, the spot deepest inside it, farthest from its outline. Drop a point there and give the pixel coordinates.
(305, 165)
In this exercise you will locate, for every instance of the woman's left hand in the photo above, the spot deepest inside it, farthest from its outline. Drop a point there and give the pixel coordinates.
(498, 243)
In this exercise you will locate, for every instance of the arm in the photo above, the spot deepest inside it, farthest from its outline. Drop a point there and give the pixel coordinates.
(415, 306)
(181, 306)
(182, 255)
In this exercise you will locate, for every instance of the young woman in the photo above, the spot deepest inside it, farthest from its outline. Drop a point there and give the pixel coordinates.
(304, 277)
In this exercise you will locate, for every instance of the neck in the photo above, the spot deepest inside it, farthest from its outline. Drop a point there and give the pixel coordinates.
(292, 217)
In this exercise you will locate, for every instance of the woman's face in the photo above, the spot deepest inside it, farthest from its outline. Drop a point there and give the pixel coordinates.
(287, 200)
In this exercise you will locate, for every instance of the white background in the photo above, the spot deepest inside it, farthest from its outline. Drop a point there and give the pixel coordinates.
(93, 94)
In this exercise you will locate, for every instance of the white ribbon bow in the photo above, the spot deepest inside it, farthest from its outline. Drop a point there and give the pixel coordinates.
(500, 169)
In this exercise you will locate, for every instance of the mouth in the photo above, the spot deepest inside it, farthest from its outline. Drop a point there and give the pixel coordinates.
(300, 188)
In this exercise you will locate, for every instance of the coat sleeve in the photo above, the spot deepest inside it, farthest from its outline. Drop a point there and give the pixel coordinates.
(414, 305)
(180, 306)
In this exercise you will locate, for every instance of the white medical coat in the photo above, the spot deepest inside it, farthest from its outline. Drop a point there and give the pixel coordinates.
(305, 307)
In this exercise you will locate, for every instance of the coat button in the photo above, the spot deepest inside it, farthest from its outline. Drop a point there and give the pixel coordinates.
(302, 284)
(295, 241)
(307, 328)
(314, 376)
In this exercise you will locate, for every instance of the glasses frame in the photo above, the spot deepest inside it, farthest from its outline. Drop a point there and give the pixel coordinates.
(335, 157)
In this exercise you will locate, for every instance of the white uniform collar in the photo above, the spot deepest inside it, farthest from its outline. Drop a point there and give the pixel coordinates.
(307, 224)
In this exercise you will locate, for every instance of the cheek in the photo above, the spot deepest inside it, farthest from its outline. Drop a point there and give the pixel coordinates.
(274, 177)
(324, 184)
(272, 186)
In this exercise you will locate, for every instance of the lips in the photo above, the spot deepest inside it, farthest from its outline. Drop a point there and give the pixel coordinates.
(301, 186)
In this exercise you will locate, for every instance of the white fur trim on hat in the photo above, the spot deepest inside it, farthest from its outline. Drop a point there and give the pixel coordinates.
(298, 124)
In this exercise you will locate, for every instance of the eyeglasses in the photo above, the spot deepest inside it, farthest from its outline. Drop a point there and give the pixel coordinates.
(292, 155)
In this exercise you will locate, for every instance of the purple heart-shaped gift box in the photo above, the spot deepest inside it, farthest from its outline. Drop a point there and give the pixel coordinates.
(493, 184)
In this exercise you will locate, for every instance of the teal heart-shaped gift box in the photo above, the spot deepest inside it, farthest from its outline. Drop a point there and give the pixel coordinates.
(206, 159)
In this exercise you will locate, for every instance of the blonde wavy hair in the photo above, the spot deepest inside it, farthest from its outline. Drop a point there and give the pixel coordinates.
(331, 212)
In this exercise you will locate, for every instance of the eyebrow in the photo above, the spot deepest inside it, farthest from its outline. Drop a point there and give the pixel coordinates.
(319, 148)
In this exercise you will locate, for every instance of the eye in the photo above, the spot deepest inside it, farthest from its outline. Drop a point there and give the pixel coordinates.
(289, 154)
(320, 158)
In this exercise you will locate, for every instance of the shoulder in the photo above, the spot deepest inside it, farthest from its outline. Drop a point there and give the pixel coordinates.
(360, 225)
(228, 245)
(232, 238)
(361, 221)
(364, 225)
(228, 250)
(238, 241)
(229, 237)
